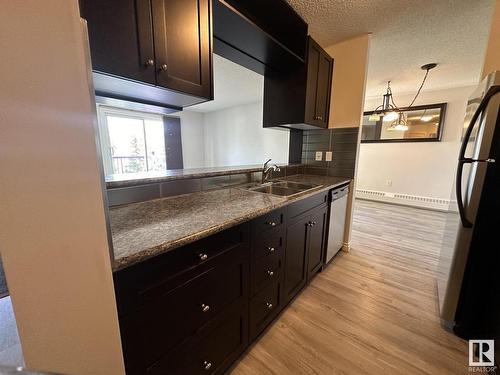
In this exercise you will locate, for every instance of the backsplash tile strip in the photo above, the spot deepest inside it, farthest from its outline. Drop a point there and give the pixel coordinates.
(141, 193)
(343, 143)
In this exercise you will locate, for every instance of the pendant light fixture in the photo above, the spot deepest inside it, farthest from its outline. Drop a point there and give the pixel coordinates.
(390, 111)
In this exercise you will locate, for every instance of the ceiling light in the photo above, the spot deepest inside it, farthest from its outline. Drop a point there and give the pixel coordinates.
(391, 116)
(388, 109)
(400, 123)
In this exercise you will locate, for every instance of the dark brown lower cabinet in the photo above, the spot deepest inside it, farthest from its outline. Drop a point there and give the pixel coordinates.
(295, 268)
(317, 236)
(194, 310)
(305, 238)
(212, 351)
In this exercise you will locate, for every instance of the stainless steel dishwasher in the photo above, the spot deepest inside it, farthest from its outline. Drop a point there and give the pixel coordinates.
(338, 209)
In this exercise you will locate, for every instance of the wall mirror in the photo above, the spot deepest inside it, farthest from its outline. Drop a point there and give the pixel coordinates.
(418, 124)
(224, 132)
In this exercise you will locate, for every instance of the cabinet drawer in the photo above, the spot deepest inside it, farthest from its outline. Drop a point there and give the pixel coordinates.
(210, 352)
(136, 285)
(175, 314)
(264, 307)
(267, 246)
(264, 271)
(298, 208)
(268, 224)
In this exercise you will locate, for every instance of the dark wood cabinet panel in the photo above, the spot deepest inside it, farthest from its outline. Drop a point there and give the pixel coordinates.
(154, 52)
(313, 58)
(264, 307)
(182, 35)
(212, 351)
(195, 309)
(121, 37)
(316, 240)
(300, 97)
(295, 257)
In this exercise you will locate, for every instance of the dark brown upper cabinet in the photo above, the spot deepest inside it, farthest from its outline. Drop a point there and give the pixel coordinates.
(299, 97)
(156, 52)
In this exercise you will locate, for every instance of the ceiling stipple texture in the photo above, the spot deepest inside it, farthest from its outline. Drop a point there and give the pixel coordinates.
(406, 35)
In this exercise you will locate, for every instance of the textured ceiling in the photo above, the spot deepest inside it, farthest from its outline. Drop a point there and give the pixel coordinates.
(233, 85)
(406, 35)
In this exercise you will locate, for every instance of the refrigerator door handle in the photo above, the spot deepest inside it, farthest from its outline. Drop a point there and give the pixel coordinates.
(462, 160)
(458, 186)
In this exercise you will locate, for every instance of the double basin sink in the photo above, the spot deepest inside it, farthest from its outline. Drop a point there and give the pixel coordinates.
(282, 188)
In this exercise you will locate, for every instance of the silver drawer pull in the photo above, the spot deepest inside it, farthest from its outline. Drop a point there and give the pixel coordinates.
(271, 223)
(207, 365)
(270, 273)
(269, 305)
(205, 308)
(271, 249)
(203, 256)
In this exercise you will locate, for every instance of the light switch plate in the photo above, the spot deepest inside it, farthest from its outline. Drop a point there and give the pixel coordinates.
(319, 156)
(328, 156)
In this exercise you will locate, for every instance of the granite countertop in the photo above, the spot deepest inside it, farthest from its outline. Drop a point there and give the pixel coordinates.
(143, 230)
(125, 180)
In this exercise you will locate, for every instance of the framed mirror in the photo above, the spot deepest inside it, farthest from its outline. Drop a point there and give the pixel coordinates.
(418, 124)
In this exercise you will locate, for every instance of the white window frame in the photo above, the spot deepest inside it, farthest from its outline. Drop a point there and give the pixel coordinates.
(102, 112)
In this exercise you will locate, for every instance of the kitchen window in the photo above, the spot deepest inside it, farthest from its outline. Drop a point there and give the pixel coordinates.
(131, 142)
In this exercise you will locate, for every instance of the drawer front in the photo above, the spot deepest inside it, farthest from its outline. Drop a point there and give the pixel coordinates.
(176, 314)
(298, 208)
(267, 246)
(264, 307)
(211, 351)
(135, 285)
(265, 270)
(268, 224)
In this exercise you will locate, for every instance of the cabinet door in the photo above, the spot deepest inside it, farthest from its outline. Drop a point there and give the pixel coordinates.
(313, 58)
(316, 241)
(323, 88)
(121, 37)
(295, 257)
(183, 45)
(319, 80)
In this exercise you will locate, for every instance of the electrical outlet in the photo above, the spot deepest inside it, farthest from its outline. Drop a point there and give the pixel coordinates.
(319, 156)
(328, 156)
(389, 182)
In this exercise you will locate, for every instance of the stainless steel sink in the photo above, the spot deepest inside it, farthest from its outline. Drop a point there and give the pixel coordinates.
(282, 188)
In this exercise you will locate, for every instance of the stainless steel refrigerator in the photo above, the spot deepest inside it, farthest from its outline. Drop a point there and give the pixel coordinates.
(469, 266)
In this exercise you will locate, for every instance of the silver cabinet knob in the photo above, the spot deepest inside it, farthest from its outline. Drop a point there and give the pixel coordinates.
(271, 223)
(270, 273)
(269, 305)
(205, 308)
(207, 365)
(149, 62)
(271, 249)
(163, 67)
(203, 256)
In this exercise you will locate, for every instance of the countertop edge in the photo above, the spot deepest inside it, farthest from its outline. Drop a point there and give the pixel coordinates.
(152, 252)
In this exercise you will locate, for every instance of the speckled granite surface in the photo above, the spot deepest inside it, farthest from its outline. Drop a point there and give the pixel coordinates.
(143, 230)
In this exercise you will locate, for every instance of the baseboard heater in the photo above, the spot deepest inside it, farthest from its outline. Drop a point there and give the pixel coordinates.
(406, 199)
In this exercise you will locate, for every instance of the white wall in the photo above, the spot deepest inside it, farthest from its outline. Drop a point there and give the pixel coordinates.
(423, 169)
(232, 136)
(192, 136)
(52, 219)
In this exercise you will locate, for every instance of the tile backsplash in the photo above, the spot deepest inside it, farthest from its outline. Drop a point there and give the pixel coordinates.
(342, 142)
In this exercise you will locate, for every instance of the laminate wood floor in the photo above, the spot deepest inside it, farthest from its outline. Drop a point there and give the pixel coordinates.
(372, 311)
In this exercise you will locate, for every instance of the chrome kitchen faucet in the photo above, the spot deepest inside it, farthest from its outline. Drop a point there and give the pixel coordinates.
(267, 171)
